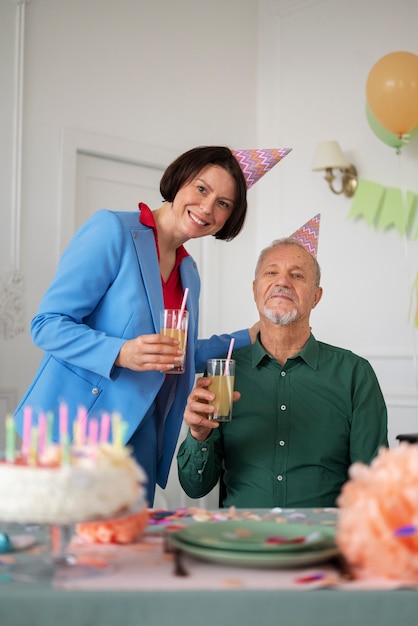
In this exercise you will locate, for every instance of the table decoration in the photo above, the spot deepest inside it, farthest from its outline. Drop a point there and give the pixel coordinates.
(123, 529)
(378, 517)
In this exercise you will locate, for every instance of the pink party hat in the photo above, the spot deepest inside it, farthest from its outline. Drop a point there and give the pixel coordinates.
(308, 235)
(256, 163)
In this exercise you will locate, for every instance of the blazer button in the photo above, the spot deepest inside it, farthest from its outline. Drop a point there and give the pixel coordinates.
(95, 391)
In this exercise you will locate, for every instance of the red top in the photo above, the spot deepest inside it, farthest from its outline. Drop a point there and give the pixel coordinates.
(172, 289)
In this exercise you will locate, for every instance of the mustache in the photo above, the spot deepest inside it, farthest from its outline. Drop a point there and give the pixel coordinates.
(280, 290)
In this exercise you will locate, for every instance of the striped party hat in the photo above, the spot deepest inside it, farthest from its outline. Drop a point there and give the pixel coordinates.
(308, 235)
(256, 163)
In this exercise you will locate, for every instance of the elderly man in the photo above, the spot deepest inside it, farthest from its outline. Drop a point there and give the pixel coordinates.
(306, 410)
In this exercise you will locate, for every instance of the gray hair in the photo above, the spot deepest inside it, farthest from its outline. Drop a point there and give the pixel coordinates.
(289, 241)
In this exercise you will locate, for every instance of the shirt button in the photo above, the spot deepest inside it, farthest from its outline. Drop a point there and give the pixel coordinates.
(281, 443)
(204, 449)
(283, 407)
(95, 391)
(200, 471)
(282, 373)
(279, 477)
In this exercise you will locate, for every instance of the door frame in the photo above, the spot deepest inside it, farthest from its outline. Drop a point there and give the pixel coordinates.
(73, 142)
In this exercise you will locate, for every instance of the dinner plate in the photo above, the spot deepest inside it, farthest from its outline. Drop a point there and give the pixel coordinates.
(257, 559)
(257, 536)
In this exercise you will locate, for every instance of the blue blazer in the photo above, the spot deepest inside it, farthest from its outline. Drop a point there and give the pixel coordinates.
(107, 289)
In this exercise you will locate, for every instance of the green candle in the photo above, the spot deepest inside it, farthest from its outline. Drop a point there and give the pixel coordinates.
(10, 439)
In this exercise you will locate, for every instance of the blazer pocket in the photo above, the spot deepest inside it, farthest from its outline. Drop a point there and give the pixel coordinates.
(56, 382)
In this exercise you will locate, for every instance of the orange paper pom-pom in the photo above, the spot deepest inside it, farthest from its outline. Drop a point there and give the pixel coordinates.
(124, 529)
(378, 519)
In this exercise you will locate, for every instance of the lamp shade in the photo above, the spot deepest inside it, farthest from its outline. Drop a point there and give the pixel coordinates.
(329, 155)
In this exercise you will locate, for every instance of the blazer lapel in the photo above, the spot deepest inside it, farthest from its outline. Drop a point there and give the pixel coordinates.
(150, 270)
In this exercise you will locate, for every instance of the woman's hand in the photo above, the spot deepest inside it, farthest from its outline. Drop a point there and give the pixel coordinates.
(150, 352)
(199, 407)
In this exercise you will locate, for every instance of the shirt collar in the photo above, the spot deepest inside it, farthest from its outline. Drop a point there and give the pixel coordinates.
(146, 218)
(309, 352)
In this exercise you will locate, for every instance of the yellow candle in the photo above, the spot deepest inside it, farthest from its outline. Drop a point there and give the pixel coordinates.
(117, 430)
(33, 448)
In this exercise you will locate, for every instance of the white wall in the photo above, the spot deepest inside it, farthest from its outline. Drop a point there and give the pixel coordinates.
(158, 75)
(315, 59)
(170, 75)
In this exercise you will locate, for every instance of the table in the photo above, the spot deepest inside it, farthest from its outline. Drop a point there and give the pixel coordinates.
(173, 600)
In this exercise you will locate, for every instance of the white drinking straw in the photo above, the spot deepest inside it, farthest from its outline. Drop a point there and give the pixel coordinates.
(183, 306)
(228, 358)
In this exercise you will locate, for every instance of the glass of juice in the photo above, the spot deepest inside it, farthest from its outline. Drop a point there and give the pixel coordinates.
(174, 323)
(222, 373)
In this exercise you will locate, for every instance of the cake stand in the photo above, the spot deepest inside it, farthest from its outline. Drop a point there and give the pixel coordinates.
(58, 561)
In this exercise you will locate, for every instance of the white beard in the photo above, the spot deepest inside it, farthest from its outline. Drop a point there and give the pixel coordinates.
(282, 319)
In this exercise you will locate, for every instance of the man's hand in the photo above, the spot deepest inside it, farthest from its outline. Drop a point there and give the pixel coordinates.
(199, 407)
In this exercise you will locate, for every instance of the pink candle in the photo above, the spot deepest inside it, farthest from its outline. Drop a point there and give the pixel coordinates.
(82, 425)
(63, 421)
(104, 427)
(42, 433)
(93, 432)
(27, 428)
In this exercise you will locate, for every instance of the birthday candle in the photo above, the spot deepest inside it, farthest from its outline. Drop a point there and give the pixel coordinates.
(10, 439)
(33, 448)
(104, 427)
(82, 425)
(42, 433)
(63, 421)
(123, 428)
(49, 424)
(27, 427)
(93, 432)
(76, 430)
(117, 429)
(65, 449)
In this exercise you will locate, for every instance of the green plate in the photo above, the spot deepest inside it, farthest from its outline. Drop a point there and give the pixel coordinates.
(257, 559)
(257, 536)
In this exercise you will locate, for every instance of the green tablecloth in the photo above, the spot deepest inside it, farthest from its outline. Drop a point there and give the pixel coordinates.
(41, 604)
(34, 605)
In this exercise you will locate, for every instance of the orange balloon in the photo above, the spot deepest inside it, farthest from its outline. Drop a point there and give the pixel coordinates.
(392, 91)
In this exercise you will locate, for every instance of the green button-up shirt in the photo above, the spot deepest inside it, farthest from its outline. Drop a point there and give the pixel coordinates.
(294, 432)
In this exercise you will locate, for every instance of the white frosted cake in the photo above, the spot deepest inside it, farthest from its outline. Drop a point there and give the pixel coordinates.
(91, 483)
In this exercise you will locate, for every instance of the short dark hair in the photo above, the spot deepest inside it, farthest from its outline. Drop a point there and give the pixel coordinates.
(190, 163)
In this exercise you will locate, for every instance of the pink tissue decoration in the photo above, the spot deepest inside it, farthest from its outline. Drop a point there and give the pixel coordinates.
(378, 520)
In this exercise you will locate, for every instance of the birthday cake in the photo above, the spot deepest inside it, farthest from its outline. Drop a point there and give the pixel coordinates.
(78, 484)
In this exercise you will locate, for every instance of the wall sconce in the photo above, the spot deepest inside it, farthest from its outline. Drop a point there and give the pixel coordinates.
(328, 157)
